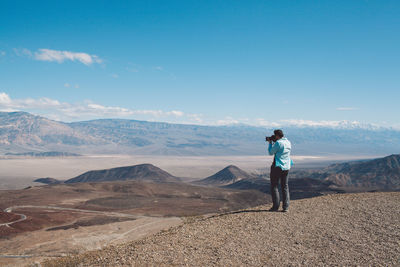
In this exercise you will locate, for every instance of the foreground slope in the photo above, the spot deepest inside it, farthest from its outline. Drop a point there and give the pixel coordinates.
(343, 229)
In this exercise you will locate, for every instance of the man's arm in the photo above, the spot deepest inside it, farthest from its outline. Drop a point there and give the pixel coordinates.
(272, 149)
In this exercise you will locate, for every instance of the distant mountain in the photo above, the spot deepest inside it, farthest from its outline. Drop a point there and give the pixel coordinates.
(228, 175)
(142, 172)
(381, 173)
(22, 132)
(44, 154)
(48, 180)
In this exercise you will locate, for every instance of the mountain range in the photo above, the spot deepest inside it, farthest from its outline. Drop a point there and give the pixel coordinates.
(22, 132)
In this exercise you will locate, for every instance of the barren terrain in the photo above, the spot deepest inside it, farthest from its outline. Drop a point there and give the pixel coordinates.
(54, 220)
(334, 230)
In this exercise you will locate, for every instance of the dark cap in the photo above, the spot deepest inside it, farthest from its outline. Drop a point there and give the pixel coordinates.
(278, 133)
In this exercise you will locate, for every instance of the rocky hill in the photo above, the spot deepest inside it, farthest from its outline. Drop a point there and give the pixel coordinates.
(142, 172)
(48, 180)
(228, 175)
(381, 173)
(333, 230)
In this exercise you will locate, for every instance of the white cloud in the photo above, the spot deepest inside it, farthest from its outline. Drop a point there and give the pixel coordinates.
(65, 111)
(114, 75)
(85, 110)
(227, 121)
(4, 99)
(176, 113)
(67, 85)
(61, 56)
(346, 108)
(2, 53)
(265, 123)
(342, 124)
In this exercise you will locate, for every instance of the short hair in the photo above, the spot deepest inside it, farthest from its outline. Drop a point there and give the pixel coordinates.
(278, 133)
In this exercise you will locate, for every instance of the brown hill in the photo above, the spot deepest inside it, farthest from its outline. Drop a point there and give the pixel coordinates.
(142, 172)
(228, 175)
(381, 173)
(47, 180)
(333, 230)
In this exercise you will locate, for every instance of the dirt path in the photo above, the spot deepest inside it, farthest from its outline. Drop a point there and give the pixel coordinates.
(8, 224)
(334, 230)
(23, 216)
(107, 213)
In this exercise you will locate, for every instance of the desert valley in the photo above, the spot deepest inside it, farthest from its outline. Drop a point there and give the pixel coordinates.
(113, 206)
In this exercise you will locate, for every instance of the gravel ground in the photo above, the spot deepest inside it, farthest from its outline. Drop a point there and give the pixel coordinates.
(333, 230)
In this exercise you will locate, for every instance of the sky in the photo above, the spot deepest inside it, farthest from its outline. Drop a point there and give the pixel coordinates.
(203, 62)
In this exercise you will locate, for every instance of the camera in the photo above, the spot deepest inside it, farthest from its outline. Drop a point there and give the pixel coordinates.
(270, 138)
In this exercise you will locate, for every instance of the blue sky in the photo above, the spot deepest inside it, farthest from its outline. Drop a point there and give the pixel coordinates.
(206, 62)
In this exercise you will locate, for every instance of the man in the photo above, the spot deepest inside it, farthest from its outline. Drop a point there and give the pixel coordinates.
(280, 147)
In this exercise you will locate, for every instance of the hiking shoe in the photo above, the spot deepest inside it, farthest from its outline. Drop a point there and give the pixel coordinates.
(273, 209)
(285, 210)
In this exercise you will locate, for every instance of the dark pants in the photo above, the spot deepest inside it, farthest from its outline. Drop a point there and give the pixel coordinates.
(278, 175)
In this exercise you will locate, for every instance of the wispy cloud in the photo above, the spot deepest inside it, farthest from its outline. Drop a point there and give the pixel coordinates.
(22, 52)
(59, 56)
(2, 53)
(68, 85)
(227, 121)
(346, 108)
(65, 111)
(162, 69)
(133, 67)
(86, 110)
(261, 122)
(337, 124)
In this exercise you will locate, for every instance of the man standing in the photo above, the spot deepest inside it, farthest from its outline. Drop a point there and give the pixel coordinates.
(280, 147)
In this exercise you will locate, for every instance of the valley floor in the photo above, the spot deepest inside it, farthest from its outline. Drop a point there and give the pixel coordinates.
(333, 230)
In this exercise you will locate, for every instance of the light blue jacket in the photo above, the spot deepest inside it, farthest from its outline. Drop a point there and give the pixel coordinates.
(281, 150)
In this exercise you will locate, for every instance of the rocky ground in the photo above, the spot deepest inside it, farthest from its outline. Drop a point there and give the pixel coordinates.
(333, 230)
